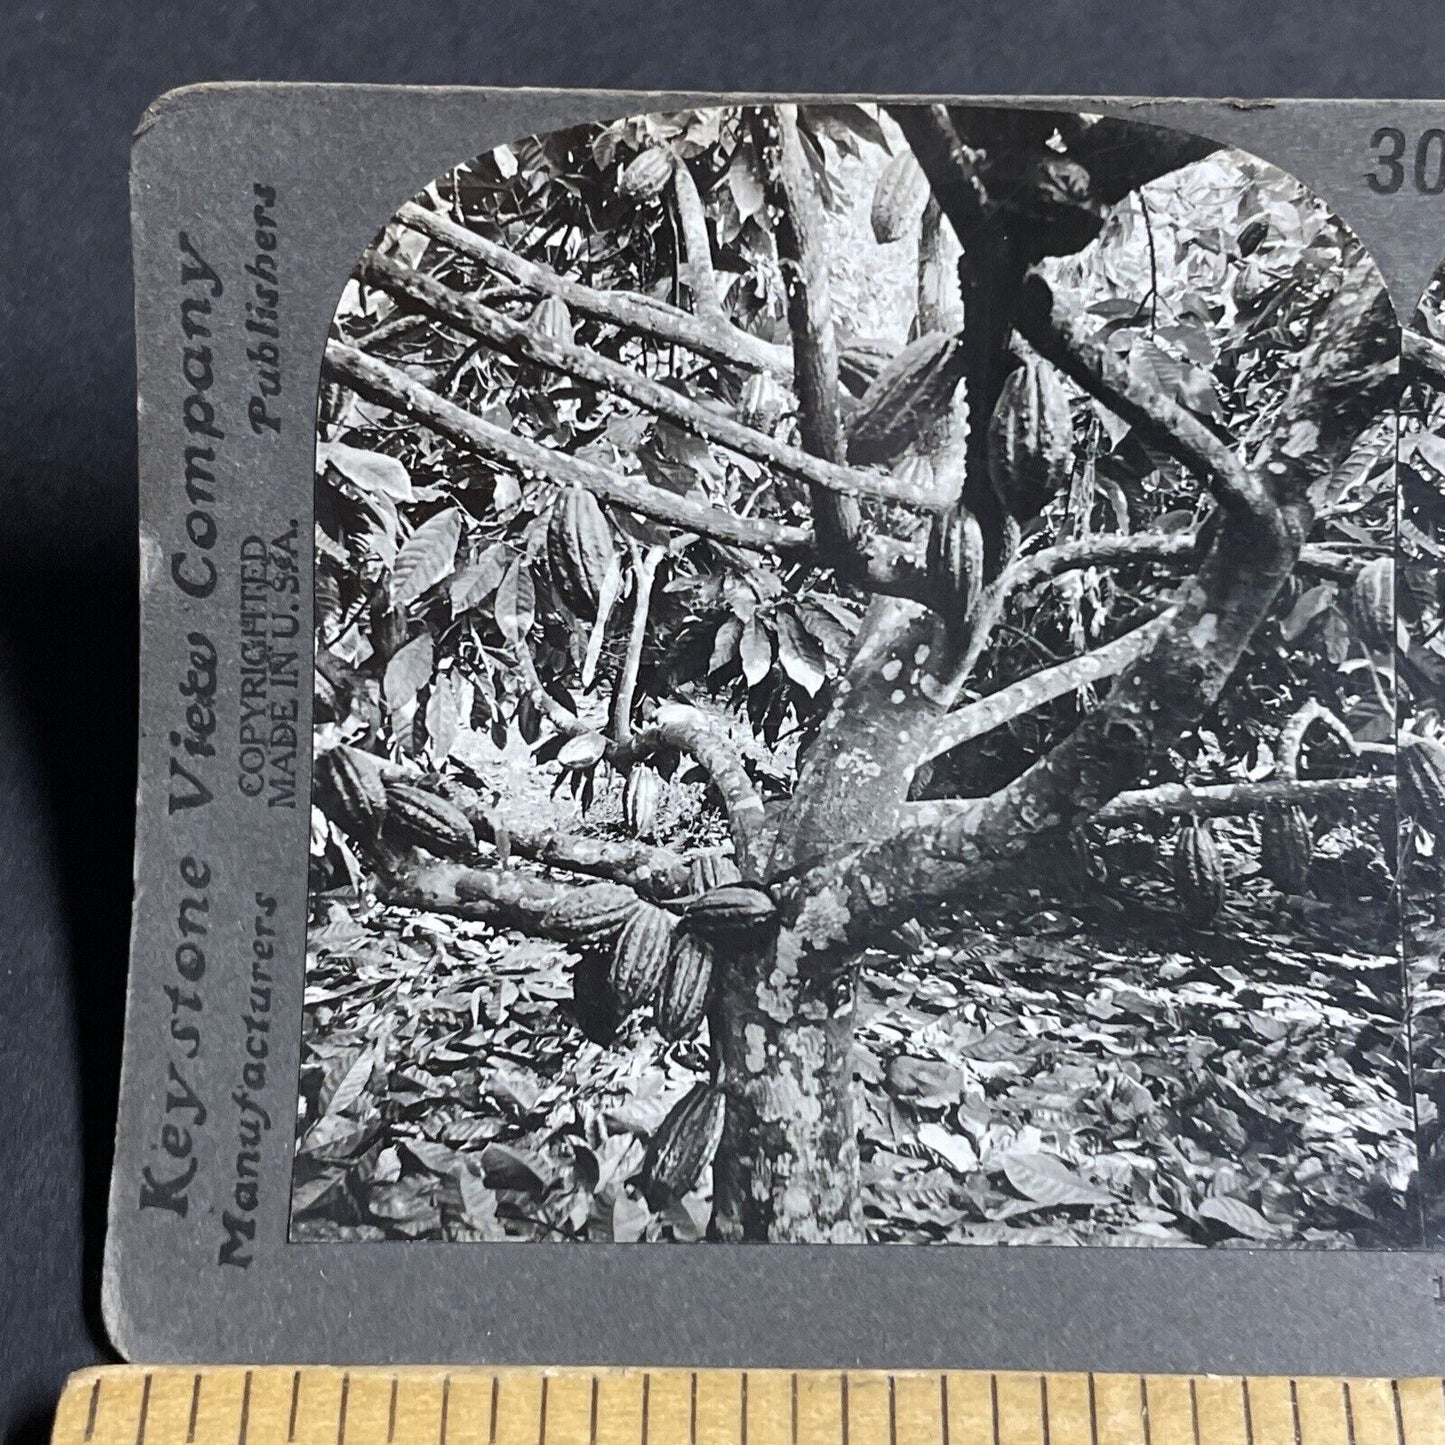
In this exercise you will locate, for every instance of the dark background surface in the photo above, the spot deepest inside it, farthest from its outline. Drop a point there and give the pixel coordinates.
(74, 78)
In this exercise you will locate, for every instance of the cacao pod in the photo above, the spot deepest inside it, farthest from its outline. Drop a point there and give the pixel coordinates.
(640, 797)
(422, 820)
(908, 397)
(594, 1004)
(761, 404)
(1198, 874)
(915, 470)
(1286, 848)
(683, 1146)
(646, 174)
(860, 361)
(955, 559)
(730, 910)
(1030, 439)
(682, 997)
(641, 953)
(589, 915)
(712, 870)
(1372, 604)
(553, 319)
(898, 198)
(352, 779)
(580, 550)
(1422, 779)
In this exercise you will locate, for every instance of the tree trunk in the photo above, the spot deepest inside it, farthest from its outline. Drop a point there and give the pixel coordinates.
(787, 1167)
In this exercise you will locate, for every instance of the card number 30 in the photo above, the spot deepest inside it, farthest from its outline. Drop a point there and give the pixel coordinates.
(1396, 162)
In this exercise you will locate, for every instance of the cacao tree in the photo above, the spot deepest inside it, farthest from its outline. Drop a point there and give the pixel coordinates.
(919, 610)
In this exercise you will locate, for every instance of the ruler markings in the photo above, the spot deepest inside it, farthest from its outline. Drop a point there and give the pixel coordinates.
(94, 1408)
(145, 1408)
(243, 1428)
(239, 1405)
(341, 1414)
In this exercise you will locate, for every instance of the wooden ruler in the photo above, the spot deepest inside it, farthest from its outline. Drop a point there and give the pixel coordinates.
(325, 1405)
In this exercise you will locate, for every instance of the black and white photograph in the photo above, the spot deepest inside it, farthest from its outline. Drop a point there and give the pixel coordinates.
(1421, 736)
(856, 699)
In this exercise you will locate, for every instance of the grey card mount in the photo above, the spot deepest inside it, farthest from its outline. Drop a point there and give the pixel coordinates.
(787, 730)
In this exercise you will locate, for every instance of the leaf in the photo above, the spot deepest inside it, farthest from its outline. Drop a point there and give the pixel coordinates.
(801, 654)
(427, 556)
(475, 582)
(431, 1156)
(516, 604)
(756, 650)
(509, 1168)
(1236, 1215)
(954, 1149)
(370, 472)
(409, 670)
(582, 751)
(1430, 448)
(1309, 606)
(352, 1084)
(1047, 1180)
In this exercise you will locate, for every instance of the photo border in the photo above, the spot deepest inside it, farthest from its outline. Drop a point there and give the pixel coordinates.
(338, 161)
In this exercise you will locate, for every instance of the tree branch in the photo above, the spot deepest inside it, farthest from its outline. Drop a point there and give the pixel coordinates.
(643, 314)
(518, 339)
(660, 872)
(390, 387)
(697, 269)
(1060, 340)
(1207, 800)
(503, 896)
(689, 731)
(1032, 692)
(788, 186)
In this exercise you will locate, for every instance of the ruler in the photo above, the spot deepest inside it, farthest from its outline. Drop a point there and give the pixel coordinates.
(325, 1405)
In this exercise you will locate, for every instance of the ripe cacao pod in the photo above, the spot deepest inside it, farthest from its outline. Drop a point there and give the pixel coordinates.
(682, 997)
(1422, 779)
(589, 915)
(683, 1146)
(1030, 439)
(1372, 604)
(646, 174)
(1286, 848)
(420, 819)
(641, 953)
(594, 1004)
(1198, 874)
(860, 361)
(352, 781)
(553, 319)
(712, 870)
(640, 797)
(730, 910)
(955, 559)
(898, 198)
(761, 404)
(908, 396)
(580, 550)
